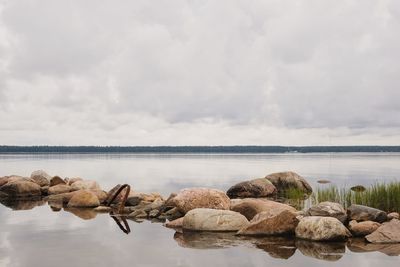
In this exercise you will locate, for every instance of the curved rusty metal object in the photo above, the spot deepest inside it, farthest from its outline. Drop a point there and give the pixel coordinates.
(125, 228)
(111, 198)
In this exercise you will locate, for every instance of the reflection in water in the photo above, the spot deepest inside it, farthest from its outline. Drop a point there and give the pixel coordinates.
(359, 245)
(119, 220)
(23, 204)
(329, 251)
(277, 247)
(208, 240)
(85, 214)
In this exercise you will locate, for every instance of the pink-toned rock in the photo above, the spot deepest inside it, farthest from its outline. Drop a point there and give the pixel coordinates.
(393, 215)
(249, 207)
(59, 189)
(175, 223)
(192, 198)
(84, 199)
(272, 222)
(56, 180)
(388, 232)
(363, 228)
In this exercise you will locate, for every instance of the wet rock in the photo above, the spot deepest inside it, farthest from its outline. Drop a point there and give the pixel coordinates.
(85, 214)
(393, 215)
(277, 247)
(321, 229)
(138, 214)
(102, 209)
(328, 209)
(56, 180)
(20, 189)
(59, 189)
(83, 199)
(249, 207)
(364, 213)
(202, 219)
(273, 222)
(178, 223)
(41, 178)
(192, 198)
(388, 232)
(85, 185)
(363, 228)
(359, 245)
(328, 251)
(285, 180)
(254, 188)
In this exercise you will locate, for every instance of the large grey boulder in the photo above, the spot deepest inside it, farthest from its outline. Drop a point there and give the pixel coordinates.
(260, 187)
(192, 198)
(388, 232)
(20, 189)
(273, 222)
(213, 220)
(364, 213)
(286, 180)
(318, 228)
(328, 209)
(249, 207)
(41, 178)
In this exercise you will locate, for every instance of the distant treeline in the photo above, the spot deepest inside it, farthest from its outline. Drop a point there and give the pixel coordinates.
(195, 149)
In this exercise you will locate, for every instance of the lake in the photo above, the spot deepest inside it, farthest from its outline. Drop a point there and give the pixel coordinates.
(42, 237)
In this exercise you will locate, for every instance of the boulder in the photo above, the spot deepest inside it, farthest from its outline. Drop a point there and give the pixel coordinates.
(388, 232)
(318, 228)
(393, 215)
(85, 185)
(273, 222)
(364, 213)
(41, 178)
(73, 180)
(101, 195)
(63, 198)
(56, 180)
(328, 209)
(285, 180)
(249, 207)
(59, 189)
(192, 198)
(135, 198)
(363, 228)
(254, 188)
(83, 199)
(3, 180)
(203, 219)
(20, 189)
(177, 223)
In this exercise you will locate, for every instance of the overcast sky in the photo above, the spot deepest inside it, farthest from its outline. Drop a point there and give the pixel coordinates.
(200, 72)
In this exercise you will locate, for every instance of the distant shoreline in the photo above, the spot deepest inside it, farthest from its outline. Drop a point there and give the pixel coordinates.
(196, 149)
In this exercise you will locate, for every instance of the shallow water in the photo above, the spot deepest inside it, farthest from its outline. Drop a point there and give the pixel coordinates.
(42, 237)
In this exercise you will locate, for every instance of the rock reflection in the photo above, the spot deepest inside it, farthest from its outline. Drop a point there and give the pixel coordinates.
(23, 204)
(277, 247)
(208, 240)
(328, 251)
(359, 245)
(85, 214)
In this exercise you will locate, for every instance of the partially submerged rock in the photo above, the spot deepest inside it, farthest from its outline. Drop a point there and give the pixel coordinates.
(192, 198)
(328, 209)
(84, 199)
(178, 223)
(289, 180)
(321, 229)
(202, 219)
(249, 207)
(273, 222)
(260, 187)
(364, 213)
(363, 228)
(20, 189)
(41, 178)
(388, 232)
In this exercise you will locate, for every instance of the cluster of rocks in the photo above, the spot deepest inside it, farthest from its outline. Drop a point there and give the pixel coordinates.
(243, 209)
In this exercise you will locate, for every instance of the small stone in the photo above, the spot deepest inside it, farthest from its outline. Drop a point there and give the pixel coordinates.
(44, 190)
(363, 228)
(138, 214)
(56, 180)
(153, 213)
(59, 189)
(393, 215)
(178, 223)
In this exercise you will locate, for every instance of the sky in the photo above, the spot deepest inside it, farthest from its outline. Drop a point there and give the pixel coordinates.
(199, 72)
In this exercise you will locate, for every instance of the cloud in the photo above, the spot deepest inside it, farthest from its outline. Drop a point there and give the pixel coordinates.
(203, 72)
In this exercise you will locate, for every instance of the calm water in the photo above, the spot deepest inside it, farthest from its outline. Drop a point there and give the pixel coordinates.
(41, 237)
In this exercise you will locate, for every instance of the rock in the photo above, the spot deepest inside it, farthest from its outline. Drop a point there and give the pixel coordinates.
(192, 198)
(249, 207)
(85, 185)
(21, 189)
(59, 189)
(360, 245)
(323, 181)
(61, 198)
(15, 178)
(321, 229)
(254, 188)
(203, 219)
(138, 214)
(328, 209)
(102, 209)
(364, 213)
(328, 251)
(393, 215)
(84, 199)
(285, 180)
(3, 180)
(363, 228)
(388, 232)
(178, 223)
(56, 180)
(41, 178)
(100, 194)
(44, 190)
(273, 222)
(173, 214)
(358, 188)
(135, 198)
(73, 180)
(154, 213)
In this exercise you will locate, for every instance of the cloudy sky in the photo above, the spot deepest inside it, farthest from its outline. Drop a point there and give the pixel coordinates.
(198, 72)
